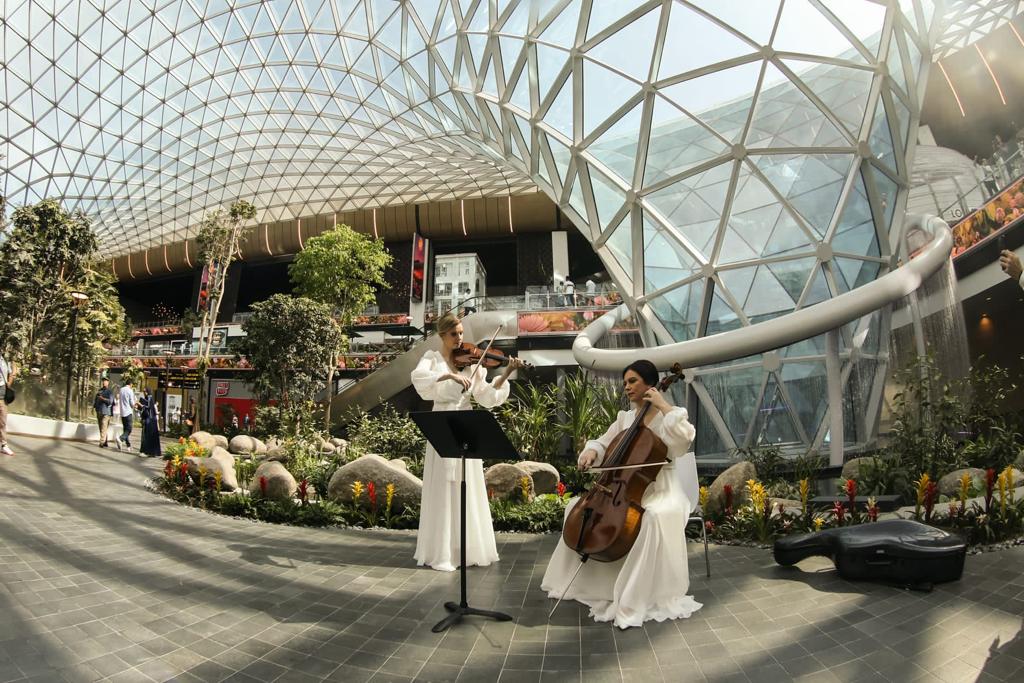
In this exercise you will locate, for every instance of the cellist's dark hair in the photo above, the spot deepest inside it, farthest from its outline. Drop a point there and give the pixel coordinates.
(645, 368)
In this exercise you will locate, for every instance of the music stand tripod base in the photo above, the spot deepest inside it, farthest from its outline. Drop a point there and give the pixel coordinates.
(459, 434)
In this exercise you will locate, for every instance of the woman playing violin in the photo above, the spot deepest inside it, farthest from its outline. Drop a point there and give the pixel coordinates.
(651, 581)
(450, 385)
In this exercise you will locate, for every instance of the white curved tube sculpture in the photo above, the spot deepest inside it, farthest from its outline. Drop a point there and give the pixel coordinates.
(773, 334)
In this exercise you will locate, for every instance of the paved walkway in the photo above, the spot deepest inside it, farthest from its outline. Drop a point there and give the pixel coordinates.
(103, 580)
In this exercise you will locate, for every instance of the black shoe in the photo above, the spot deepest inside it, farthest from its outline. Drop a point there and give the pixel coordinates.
(103, 445)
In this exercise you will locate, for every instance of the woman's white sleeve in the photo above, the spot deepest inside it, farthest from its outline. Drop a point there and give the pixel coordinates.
(425, 376)
(600, 444)
(485, 393)
(676, 431)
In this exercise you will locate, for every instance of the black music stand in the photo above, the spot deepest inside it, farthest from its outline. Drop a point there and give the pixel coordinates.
(464, 434)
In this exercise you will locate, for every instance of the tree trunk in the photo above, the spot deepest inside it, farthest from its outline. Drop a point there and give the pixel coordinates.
(330, 396)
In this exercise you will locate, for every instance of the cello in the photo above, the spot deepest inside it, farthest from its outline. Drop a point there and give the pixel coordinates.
(605, 522)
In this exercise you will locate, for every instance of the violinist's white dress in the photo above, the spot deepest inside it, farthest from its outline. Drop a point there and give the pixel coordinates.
(437, 543)
(651, 581)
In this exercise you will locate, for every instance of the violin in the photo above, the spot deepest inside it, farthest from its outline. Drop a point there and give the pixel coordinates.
(467, 354)
(605, 522)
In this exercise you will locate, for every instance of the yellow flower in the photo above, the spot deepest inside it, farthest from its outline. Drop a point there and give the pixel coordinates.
(524, 487)
(922, 485)
(818, 523)
(805, 487)
(357, 491)
(703, 497)
(1003, 482)
(758, 496)
(965, 488)
(389, 494)
(217, 477)
(1008, 472)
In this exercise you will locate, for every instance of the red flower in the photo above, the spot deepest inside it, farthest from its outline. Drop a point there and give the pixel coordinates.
(990, 480)
(931, 494)
(840, 512)
(873, 513)
(263, 486)
(851, 492)
(560, 488)
(371, 491)
(728, 496)
(183, 470)
(303, 491)
(709, 526)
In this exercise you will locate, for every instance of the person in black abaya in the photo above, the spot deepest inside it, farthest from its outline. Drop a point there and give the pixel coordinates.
(150, 428)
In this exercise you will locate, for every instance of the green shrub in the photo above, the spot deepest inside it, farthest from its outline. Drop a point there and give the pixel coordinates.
(544, 514)
(388, 433)
(321, 513)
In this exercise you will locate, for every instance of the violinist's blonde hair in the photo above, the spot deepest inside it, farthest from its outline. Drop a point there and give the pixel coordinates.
(447, 322)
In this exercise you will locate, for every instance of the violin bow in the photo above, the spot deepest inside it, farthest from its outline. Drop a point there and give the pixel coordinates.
(483, 355)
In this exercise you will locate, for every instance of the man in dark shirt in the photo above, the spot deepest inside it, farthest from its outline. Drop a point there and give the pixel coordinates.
(104, 405)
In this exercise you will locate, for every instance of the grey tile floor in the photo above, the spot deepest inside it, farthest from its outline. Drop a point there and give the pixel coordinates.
(102, 580)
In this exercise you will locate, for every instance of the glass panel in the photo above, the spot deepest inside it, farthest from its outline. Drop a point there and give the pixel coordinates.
(720, 99)
(679, 310)
(853, 273)
(602, 14)
(784, 117)
(693, 205)
(665, 260)
(706, 43)
(863, 18)
(677, 143)
(855, 232)
(881, 139)
(561, 31)
(620, 244)
(773, 424)
(803, 28)
(603, 93)
(616, 148)
(811, 183)
(886, 188)
(759, 225)
(629, 48)
(843, 90)
(735, 394)
(607, 197)
(708, 438)
(753, 19)
(819, 290)
(722, 316)
(896, 64)
(576, 200)
(559, 114)
(806, 384)
(550, 61)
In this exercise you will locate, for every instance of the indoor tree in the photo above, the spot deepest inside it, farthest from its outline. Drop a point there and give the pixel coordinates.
(290, 343)
(219, 236)
(342, 269)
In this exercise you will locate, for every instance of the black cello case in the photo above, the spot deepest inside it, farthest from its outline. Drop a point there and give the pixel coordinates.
(896, 551)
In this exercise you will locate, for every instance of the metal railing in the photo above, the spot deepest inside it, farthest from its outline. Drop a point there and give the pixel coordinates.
(1003, 174)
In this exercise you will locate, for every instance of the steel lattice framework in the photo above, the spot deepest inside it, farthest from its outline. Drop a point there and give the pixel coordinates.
(730, 161)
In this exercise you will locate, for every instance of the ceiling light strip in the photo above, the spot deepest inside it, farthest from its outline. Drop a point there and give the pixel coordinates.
(145, 261)
(510, 228)
(952, 89)
(113, 267)
(167, 264)
(991, 73)
(187, 259)
(1014, 29)
(375, 235)
(129, 261)
(298, 229)
(462, 212)
(266, 239)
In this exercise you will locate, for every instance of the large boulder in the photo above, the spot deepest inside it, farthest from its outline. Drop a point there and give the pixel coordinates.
(327, 448)
(381, 471)
(205, 440)
(504, 481)
(280, 483)
(736, 477)
(220, 440)
(218, 461)
(243, 444)
(949, 485)
(545, 476)
(339, 444)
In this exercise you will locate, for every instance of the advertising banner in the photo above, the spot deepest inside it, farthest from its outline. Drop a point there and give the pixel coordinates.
(991, 219)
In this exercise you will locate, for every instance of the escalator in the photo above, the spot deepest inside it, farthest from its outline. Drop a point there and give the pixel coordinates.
(386, 382)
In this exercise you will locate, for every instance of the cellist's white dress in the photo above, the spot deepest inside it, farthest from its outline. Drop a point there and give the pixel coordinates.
(651, 581)
(437, 542)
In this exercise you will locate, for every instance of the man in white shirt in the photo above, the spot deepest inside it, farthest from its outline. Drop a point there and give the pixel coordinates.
(1011, 265)
(7, 372)
(570, 293)
(127, 402)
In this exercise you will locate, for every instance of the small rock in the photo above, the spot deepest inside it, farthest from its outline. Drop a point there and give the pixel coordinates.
(281, 484)
(379, 470)
(205, 440)
(504, 480)
(327, 448)
(949, 485)
(243, 443)
(545, 476)
(852, 467)
(736, 477)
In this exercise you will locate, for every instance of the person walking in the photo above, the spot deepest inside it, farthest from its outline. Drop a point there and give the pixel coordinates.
(104, 406)
(127, 402)
(7, 372)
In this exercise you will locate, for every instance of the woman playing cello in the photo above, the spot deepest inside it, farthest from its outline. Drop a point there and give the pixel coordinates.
(651, 580)
(438, 378)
